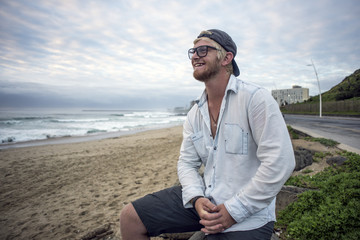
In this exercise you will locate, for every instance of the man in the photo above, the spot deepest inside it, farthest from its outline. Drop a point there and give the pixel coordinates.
(238, 133)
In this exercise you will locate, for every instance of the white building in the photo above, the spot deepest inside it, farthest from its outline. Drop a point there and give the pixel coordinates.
(296, 94)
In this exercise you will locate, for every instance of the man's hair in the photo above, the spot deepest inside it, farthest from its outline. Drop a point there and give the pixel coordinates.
(220, 54)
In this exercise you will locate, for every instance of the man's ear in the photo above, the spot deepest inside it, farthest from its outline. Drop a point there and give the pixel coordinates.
(228, 58)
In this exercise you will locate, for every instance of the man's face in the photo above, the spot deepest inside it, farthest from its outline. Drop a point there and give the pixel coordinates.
(205, 67)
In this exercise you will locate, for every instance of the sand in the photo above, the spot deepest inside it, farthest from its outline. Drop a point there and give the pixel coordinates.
(65, 191)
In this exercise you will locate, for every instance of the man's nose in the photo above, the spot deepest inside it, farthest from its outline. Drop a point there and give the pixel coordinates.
(195, 55)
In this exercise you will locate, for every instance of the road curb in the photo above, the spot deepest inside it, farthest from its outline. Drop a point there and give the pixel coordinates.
(341, 145)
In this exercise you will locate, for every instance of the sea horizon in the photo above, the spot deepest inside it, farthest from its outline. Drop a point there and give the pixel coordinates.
(42, 126)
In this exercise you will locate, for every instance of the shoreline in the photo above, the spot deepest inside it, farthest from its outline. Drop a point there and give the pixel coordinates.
(65, 191)
(79, 139)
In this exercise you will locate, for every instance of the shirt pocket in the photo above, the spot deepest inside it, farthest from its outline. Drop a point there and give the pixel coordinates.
(236, 139)
(200, 145)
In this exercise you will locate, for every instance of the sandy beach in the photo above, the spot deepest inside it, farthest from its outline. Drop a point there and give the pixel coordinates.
(65, 191)
(71, 191)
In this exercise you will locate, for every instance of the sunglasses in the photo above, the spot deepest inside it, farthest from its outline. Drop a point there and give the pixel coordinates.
(201, 51)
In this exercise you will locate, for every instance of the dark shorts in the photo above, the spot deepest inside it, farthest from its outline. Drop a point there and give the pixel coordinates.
(163, 212)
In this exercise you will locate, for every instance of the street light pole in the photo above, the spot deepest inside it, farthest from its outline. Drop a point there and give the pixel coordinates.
(317, 78)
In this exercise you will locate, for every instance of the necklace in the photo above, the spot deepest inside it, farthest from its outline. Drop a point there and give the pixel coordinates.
(212, 117)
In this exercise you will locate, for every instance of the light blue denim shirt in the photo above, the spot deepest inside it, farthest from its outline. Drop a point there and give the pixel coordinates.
(246, 164)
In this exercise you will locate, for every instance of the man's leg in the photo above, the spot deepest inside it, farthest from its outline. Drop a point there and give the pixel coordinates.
(131, 226)
(157, 213)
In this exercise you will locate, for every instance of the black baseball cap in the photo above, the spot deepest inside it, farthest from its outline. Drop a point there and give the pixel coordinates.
(226, 42)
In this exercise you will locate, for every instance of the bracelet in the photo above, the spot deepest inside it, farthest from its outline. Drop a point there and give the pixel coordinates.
(193, 201)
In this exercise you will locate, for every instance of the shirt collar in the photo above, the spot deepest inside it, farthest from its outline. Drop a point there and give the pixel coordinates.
(231, 86)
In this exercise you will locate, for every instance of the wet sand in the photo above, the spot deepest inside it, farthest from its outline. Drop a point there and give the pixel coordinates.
(65, 191)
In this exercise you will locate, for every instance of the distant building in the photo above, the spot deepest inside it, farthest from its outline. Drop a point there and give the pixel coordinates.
(296, 94)
(182, 111)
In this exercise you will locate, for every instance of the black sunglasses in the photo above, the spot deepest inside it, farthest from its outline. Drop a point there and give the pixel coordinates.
(201, 51)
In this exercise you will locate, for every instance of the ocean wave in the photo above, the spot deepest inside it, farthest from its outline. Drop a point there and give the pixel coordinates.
(30, 118)
(95, 131)
(49, 136)
(8, 140)
(22, 127)
(9, 122)
(79, 120)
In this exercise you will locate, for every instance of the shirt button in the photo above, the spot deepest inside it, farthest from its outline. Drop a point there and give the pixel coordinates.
(209, 186)
(215, 148)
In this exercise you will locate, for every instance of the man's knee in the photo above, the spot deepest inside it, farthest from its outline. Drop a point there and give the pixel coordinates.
(128, 214)
(130, 220)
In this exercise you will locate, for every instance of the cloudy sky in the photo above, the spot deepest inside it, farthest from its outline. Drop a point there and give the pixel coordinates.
(133, 54)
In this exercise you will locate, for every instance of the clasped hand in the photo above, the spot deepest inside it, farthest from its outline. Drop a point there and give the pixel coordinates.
(215, 219)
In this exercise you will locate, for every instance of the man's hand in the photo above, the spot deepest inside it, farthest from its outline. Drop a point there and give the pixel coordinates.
(214, 218)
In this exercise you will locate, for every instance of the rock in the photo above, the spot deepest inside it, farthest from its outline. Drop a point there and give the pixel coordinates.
(287, 195)
(102, 233)
(201, 236)
(198, 236)
(338, 160)
(274, 237)
(177, 236)
(303, 158)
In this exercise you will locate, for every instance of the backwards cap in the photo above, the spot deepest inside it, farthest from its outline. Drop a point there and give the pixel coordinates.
(226, 42)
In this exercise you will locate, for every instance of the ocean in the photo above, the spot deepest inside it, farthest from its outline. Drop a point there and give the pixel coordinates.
(28, 127)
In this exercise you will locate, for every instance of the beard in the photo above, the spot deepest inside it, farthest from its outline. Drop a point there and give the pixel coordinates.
(212, 70)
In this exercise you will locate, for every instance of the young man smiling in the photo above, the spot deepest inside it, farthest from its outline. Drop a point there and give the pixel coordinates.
(238, 133)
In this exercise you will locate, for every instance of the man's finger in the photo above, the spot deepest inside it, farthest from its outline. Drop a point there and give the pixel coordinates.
(209, 223)
(211, 216)
(209, 205)
(213, 229)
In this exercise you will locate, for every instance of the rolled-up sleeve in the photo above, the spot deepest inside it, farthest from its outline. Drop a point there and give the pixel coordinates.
(188, 167)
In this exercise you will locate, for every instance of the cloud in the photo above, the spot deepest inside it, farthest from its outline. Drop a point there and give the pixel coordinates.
(131, 51)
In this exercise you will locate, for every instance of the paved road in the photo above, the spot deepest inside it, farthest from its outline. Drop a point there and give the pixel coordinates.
(344, 130)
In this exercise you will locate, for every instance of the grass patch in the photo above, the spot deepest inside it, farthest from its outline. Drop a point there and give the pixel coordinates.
(294, 134)
(323, 141)
(318, 156)
(331, 210)
(306, 171)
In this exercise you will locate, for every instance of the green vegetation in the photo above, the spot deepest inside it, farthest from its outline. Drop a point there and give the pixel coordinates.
(323, 141)
(346, 114)
(320, 155)
(347, 89)
(331, 210)
(307, 171)
(293, 133)
(343, 99)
